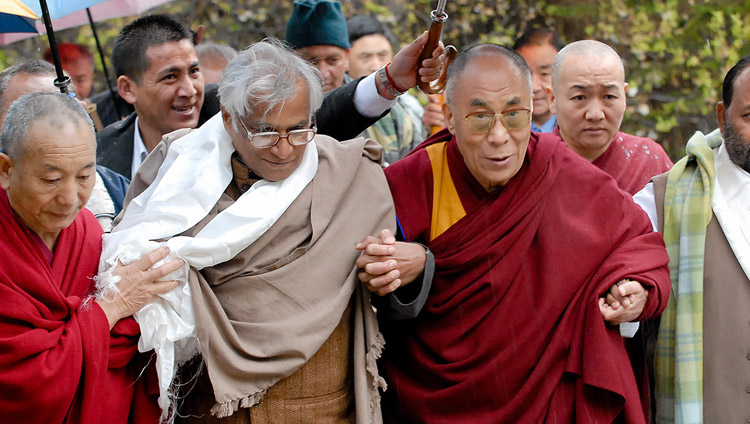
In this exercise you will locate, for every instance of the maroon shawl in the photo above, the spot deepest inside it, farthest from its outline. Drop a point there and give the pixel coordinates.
(55, 354)
(511, 331)
(632, 161)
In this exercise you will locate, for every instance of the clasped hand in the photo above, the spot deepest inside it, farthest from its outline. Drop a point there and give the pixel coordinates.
(624, 302)
(387, 264)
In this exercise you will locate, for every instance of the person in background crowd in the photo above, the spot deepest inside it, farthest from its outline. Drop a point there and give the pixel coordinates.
(372, 48)
(213, 59)
(78, 63)
(316, 30)
(538, 47)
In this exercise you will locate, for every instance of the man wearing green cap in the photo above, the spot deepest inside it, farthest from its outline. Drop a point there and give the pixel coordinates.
(317, 31)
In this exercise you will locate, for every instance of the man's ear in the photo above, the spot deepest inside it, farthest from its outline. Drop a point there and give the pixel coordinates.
(448, 116)
(125, 88)
(721, 116)
(226, 118)
(551, 94)
(6, 170)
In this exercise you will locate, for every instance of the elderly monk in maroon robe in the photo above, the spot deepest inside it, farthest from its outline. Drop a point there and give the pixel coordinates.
(64, 357)
(515, 326)
(588, 96)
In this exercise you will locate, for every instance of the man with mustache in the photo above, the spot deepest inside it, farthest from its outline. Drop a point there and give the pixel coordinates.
(702, 207)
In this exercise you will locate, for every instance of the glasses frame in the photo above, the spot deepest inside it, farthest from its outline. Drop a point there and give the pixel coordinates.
(502, 114)
(251, 136)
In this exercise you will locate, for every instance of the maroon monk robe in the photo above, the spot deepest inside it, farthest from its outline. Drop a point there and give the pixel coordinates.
(632, 161)
(511, 331)
(57, 359)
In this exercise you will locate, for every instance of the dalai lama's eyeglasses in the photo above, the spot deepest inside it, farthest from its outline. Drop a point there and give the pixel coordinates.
(266, 140)
(483, 122)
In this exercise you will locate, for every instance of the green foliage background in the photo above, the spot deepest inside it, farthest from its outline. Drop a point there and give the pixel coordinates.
(676, 53)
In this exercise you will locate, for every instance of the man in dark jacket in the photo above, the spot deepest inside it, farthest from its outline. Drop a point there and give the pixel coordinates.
(159, 74)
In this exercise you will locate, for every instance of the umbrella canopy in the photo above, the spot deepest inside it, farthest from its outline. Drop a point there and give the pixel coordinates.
(15, 16)
(69, 14)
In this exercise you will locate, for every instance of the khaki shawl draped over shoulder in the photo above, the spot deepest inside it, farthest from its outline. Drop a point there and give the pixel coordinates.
(261, 315)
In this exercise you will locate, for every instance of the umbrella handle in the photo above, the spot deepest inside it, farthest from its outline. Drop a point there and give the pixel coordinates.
(62, 81)
(433, 39)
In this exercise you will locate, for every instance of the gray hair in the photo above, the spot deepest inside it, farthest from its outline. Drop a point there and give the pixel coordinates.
(588, 48)
(211, 52)
(56, 108)
(24, 66)
(458, 65)
(266, 74)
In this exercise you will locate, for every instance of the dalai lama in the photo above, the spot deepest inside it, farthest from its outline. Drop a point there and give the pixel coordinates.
(536, 256)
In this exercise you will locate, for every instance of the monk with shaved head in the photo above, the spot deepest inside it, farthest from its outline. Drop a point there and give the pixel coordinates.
(588, 96)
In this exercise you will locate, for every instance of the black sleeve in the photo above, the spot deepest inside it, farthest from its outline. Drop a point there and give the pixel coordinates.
(407, 302)
(338, 118)
(210, 103)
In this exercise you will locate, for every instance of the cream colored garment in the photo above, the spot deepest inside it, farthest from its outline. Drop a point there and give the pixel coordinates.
(731, 205)
(190, 181)
(265, 313)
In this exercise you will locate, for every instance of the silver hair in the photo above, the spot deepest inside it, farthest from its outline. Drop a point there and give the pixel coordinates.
(208, 52)
(588, 48)
(57, 108)
(24, 66)
(458, 65)
(266, 75)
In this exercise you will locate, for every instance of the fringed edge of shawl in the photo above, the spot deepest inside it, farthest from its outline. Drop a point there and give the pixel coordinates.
(225, 409)
(378, 382)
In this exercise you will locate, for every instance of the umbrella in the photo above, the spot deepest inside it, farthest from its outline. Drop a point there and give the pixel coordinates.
(68, 13)
(16, 17)
(64, 14)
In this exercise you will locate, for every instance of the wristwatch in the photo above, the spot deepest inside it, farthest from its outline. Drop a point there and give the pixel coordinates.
(387, 83)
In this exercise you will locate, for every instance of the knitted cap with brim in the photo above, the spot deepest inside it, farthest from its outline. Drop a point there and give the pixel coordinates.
(317, 23)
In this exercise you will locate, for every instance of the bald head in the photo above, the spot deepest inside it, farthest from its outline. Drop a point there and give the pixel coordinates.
(457, 67)
(590, 51)
(588, 96)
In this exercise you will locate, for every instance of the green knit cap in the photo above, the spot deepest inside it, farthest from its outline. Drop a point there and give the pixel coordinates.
(317, 23)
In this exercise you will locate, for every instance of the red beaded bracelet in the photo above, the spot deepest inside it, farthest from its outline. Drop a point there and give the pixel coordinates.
(390, 81)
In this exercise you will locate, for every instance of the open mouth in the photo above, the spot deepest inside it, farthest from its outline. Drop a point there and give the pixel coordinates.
(501, 161)
(185, 110)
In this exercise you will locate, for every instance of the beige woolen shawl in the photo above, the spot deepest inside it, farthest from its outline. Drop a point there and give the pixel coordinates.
(263, 314)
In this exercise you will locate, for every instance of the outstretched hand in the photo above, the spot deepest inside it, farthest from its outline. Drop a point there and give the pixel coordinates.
(404, 65)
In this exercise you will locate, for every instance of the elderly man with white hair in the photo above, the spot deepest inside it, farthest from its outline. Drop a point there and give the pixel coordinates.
(265, 213)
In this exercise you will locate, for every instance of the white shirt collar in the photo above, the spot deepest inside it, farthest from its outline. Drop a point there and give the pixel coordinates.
(139, 150)
(731, 205)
